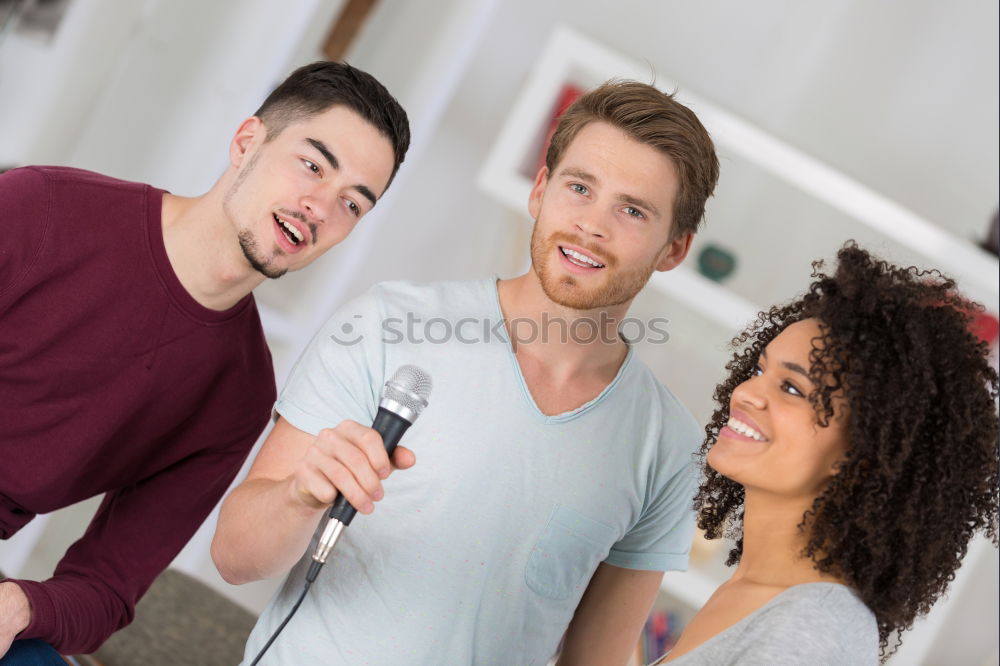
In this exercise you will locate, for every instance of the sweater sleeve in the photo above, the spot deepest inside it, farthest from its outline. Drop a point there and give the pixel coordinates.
(24, 220)
(135, 534)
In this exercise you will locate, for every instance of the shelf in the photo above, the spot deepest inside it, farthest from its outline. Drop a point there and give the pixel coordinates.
(712, 300)
(974, 268)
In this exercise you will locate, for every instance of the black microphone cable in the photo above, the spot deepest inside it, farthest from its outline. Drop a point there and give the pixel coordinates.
(295, 607)
(403, 399)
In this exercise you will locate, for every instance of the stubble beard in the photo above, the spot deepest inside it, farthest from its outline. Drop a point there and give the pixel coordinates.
(248, 241)
(565, 290)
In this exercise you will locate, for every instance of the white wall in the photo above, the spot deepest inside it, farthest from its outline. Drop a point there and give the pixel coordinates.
(149, 90)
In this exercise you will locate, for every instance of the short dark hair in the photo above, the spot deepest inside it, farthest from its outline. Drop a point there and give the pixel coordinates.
(920, 475)
(655, 118)
(316, 87)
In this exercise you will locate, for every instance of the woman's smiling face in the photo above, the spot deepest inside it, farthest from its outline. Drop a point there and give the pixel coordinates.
(774, 442)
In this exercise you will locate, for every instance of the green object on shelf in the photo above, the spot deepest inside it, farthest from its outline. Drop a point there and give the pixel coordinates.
(715, 263)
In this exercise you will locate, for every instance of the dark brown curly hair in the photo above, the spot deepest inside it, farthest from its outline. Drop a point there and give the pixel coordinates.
(920, 474)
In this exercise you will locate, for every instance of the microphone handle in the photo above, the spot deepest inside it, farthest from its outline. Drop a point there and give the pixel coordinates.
(391, 426)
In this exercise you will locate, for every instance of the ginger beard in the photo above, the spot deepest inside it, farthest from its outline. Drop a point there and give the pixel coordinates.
(615, 288)
(248, 241)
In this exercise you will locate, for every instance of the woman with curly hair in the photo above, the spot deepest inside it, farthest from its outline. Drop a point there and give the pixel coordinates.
(852, 457)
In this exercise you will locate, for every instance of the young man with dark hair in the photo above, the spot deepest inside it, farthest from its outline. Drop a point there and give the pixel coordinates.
(133, 358)
(556, 474)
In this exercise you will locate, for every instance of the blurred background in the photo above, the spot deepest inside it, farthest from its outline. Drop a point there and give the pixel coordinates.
(835, 120)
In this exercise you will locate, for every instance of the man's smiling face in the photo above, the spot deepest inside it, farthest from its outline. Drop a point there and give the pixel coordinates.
(603, 220)
(300, 193)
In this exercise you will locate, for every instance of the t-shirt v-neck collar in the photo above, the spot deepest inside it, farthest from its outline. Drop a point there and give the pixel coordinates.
(526, 393)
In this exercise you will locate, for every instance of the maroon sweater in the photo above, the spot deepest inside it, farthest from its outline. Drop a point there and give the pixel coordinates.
(112, 380)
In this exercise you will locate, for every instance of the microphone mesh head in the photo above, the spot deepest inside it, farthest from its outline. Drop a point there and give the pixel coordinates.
(410, 386)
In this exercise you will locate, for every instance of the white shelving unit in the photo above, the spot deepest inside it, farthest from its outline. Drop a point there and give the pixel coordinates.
(571, 58)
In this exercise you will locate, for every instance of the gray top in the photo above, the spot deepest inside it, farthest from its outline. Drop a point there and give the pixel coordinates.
(818, 624)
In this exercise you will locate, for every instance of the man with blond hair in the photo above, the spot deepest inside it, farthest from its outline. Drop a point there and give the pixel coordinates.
(556, 478)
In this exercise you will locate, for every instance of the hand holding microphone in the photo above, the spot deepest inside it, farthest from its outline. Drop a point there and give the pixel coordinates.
(348, 463)
(350, 460)
(404, 398)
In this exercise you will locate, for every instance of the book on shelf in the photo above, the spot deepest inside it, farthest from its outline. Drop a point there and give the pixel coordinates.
(662, 629)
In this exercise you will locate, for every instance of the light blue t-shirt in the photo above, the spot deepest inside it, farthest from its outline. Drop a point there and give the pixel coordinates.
(480, 553)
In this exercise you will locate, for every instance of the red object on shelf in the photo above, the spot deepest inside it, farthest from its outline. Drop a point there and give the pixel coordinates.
(570, 93)
(985, 327)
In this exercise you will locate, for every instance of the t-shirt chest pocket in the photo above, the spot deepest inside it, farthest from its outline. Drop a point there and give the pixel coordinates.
(567, 554)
